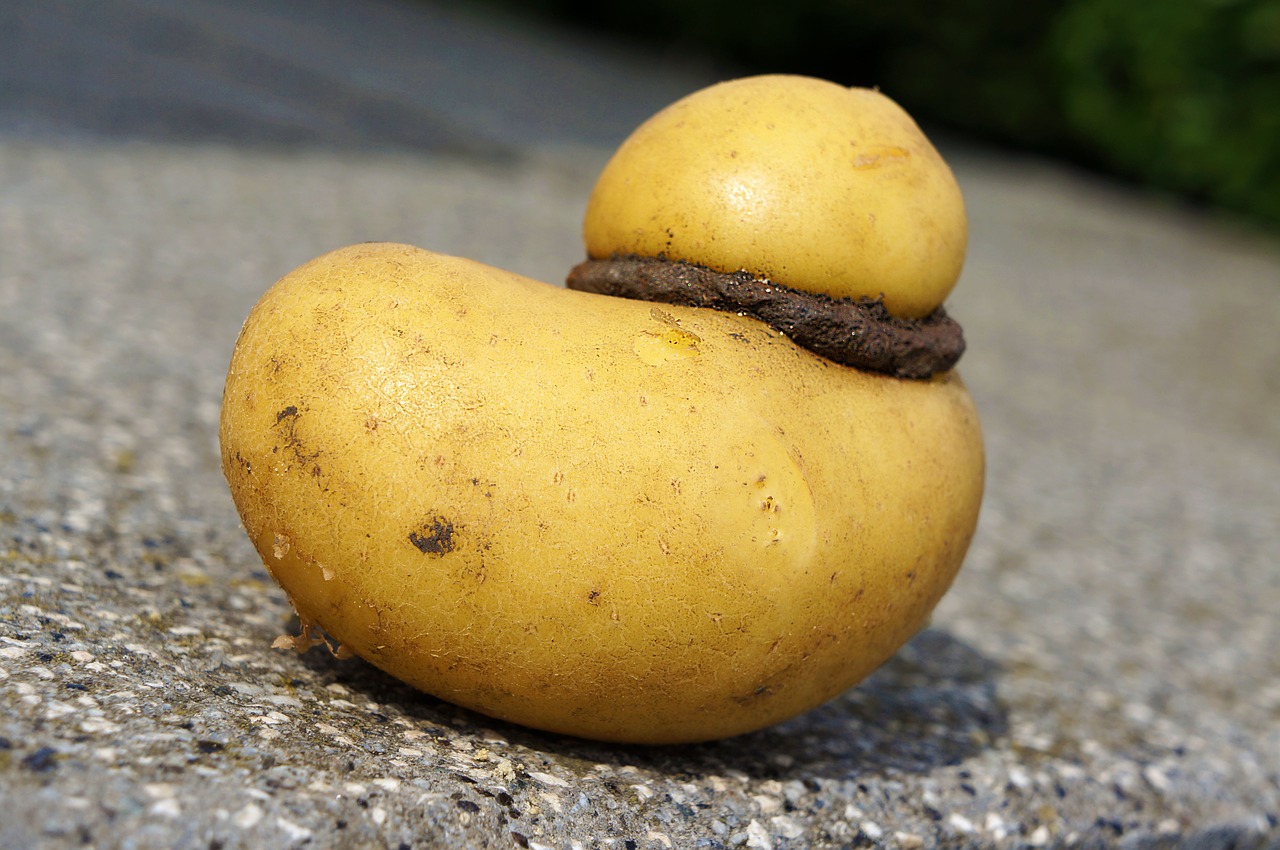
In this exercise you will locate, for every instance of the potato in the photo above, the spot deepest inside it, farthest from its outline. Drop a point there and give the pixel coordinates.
(804, 182)
(618, 519)
(585, 514)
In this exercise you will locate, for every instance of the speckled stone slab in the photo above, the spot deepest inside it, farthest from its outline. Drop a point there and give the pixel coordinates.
(1103, 674)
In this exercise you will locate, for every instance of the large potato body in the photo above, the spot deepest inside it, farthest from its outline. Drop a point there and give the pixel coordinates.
(585, 514)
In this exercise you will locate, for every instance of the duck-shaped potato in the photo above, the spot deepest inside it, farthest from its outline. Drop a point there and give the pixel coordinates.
(602, 516)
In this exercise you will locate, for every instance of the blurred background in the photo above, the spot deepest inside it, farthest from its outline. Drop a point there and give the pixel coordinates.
(1181, 95)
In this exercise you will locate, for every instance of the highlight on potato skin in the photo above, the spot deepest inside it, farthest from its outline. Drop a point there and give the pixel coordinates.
(590, 515)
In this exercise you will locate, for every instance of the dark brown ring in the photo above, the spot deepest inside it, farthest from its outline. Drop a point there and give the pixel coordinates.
(859, 333)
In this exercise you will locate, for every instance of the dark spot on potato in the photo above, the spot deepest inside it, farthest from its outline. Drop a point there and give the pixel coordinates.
(434, 537)
(759, 693)
(287, 421)
(593, 596)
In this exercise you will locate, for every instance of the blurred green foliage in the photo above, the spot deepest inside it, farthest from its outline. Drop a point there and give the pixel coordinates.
(1183, 95)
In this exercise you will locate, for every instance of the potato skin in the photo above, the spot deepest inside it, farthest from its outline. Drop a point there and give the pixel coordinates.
(797, 180)
(584, 514)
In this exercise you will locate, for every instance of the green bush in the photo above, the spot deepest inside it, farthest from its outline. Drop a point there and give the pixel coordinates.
(1183, 95)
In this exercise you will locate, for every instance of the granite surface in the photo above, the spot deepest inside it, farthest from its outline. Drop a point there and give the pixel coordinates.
(1103, 674)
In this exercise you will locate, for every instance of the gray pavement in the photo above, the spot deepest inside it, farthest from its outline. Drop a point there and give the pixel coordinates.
(1104, 672)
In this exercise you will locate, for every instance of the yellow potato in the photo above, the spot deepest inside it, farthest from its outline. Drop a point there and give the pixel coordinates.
(804, 182)
(585, 514)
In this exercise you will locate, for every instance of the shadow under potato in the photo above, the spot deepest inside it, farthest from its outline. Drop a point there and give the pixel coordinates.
(932, 705)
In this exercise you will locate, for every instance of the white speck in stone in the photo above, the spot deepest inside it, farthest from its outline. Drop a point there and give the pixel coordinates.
(269, 734)
(852, 812)
(1071, 772)
(379, 815)
(291, 829)
(995, 825)
(335, 688)
(548, 779)
(908, 840)
(767, 804)
(1039, 837)
(719, 827)
(551, 800)
(248, 816)
(271, 718)
(81, 656)
(1138, 712)
(4, 674)
(793, 791)
(787, 827)
(758, 837)
(644, 792)
(1157, 778)
(1019, 779)
(409, 752)
(54, 709)
(871, 829)
(660, 837)
(354, 788)
(166, 808)
(387, 783)
(960, 823)
(42, 672)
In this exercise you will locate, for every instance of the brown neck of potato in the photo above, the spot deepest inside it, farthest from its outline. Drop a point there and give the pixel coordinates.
(859, 333)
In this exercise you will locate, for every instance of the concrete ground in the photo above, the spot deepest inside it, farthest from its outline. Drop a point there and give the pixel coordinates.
(1104, 672)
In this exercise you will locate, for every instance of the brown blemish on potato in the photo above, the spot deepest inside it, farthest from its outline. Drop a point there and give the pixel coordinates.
(287, 422)
(434, 537)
